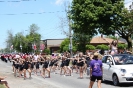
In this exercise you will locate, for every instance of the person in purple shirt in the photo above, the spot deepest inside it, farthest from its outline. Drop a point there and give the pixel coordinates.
(96, 71)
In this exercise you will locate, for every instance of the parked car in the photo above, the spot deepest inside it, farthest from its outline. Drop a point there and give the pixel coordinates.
(118, 68)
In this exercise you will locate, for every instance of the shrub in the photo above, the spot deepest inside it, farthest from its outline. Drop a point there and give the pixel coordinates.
(102, 47)
(47, 51)
(90, 47)
(121, 46)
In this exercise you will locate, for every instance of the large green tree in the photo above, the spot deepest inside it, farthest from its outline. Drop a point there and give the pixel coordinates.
(34, 36)
(101, 16)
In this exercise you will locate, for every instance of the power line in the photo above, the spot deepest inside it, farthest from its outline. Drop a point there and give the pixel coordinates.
(16, 0)
(54, 35)
(49, 33)
(36, 0)
(34, 13)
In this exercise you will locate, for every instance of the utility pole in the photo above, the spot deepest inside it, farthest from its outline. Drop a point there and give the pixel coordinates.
(70, 37)
(131, 9)
(21, 44)
(70, 34)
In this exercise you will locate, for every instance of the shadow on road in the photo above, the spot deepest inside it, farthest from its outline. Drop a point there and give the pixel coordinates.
(121, 85)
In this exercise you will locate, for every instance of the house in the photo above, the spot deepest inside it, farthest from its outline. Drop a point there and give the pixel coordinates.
(53, 44)
(99, 41)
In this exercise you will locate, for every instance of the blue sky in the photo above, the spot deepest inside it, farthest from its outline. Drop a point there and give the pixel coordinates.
(13, 17)
(48, 21)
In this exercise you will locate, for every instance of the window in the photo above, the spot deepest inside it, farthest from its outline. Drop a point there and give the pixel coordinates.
(104, 59)
(107, 59)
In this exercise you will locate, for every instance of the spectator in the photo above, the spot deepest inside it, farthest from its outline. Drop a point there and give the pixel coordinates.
(2, 81)
(95, 71)
(88, 62)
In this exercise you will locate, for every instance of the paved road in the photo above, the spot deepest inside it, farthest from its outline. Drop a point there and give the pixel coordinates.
(56, 81)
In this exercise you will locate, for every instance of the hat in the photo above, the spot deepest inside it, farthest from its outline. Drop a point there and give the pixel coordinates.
(96, 54)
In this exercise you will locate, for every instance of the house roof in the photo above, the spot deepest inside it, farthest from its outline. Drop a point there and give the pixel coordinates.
(100, 40)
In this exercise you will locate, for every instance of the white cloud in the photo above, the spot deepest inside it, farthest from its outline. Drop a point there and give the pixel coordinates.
(128, 3)
(60, 2)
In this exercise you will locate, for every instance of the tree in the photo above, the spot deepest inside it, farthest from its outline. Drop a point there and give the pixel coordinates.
(9, 40)
(64, 43)
(34, 37)
(46, 51)
(122, 24)
(23, 43)
(81, 40)
(33, 28)
(85, 15)
(101, 16)
(19, 42)
(65, 46)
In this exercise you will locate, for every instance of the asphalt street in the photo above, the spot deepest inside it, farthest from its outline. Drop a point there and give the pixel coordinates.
(56, 80)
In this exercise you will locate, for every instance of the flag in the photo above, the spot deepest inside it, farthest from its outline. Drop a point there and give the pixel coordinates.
(34, 46)
(42, 46)
(11, 47)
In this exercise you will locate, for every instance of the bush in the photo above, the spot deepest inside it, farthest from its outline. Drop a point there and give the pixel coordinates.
(121, 46)
(65, 48)
(102, 47)
(47, 51)
(90, 47)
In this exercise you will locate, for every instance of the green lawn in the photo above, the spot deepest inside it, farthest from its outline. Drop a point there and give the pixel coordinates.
(2, 86)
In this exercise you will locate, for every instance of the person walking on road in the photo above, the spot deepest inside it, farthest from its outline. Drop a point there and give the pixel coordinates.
(26, 68)
(46, 67)
(96, 71)
(81, 62)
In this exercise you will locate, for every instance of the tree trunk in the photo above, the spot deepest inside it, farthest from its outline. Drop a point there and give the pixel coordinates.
(82, 47)
(129, 42)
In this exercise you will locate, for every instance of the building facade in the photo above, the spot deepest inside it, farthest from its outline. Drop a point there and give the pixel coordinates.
(53, 44)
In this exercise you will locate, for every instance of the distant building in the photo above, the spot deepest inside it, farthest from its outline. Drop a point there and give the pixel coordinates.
(53, 44)
(98, 41)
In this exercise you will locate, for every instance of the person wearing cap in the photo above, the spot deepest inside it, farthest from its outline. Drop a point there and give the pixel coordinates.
(96, 71)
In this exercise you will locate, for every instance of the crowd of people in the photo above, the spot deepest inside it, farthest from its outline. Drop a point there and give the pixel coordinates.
(39, 64)
(89, 63)
(26, 65)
